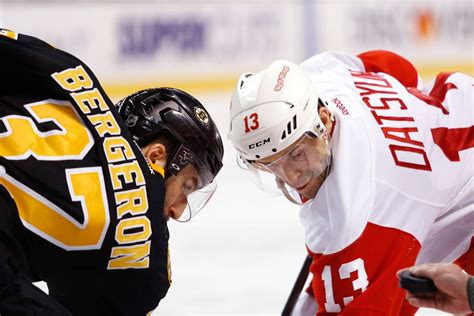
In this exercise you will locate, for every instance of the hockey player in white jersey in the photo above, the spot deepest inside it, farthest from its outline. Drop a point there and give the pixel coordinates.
(382, 167)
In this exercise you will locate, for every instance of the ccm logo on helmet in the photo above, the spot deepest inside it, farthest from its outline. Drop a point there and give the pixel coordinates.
(259, 143)
(281, 78)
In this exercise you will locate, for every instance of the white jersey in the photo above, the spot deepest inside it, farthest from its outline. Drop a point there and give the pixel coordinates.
(401, 186)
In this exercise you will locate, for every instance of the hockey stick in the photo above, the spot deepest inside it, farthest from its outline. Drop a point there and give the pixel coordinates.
(297, 287)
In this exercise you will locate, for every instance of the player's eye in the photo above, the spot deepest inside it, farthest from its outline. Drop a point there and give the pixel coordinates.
(296, 154)
(189, 186)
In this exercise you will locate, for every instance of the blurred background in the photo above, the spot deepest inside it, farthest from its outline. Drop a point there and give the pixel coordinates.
(242, 254)
(205, 44)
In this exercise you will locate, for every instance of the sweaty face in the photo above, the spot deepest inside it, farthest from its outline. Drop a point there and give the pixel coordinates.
(178, 188)
(302, 166)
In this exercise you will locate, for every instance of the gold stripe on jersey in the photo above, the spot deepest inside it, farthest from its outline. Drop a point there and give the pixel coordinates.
(132, 226)
(168, 266)
(158, 169)
(9, 34)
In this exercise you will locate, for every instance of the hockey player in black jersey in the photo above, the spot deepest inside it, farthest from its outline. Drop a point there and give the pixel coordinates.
(86, 188)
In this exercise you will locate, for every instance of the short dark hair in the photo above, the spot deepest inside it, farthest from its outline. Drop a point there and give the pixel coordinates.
(165, 138)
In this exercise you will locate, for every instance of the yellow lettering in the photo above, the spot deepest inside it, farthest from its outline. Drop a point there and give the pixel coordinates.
(132, 202)
(105, 123)
(126, 170)
(117, 149)
(73, 79)
(141, 230)
(126, 257)
(90, 99)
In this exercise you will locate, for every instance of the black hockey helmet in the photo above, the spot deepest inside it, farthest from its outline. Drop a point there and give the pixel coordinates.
(152, 112)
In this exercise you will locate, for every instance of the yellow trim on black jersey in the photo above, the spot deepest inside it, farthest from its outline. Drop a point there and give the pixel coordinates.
(158, 169)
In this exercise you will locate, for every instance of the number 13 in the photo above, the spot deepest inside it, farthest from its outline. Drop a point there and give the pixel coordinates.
(345, 270)
(254, 124)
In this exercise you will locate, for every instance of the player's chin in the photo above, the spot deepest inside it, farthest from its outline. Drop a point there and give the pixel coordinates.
(309, 191)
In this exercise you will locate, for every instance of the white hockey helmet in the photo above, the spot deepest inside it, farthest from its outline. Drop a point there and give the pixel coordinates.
(272, 109)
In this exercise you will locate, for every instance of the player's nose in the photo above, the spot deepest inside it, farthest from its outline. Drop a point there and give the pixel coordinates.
(177, 209)
(291, 175)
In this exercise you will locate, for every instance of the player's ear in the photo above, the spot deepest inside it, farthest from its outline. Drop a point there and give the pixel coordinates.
(325, 116)
(156, 153)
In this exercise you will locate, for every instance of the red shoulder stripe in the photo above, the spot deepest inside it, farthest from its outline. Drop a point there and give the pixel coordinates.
(392, 64)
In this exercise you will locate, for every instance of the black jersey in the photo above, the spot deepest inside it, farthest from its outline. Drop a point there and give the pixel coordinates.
(90, 206)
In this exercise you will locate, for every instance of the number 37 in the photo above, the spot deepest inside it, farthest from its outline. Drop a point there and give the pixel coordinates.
(71, 140)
